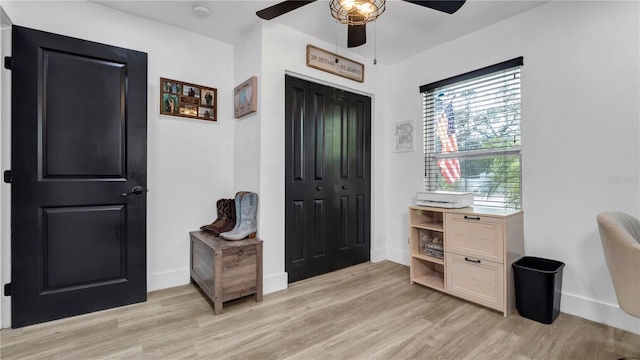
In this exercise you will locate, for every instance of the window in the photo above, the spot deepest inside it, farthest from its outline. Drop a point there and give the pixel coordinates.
(472, 134)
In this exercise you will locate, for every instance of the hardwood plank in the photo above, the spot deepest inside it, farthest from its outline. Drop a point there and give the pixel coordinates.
(368, 311)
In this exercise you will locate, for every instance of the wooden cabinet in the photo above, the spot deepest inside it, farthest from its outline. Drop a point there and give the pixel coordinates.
(226, 270)
(478, 246)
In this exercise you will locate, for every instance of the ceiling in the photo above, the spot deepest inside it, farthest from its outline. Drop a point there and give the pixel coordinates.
(402, 31)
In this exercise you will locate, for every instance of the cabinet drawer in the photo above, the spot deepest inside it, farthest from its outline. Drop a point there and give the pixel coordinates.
(475, 235)
(476, 280)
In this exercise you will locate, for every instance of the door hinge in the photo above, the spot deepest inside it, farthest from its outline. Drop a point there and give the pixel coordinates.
(7, 176)
(7, 289)
(7, 62)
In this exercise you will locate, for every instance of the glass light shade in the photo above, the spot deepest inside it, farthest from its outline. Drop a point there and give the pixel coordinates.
(356, 12)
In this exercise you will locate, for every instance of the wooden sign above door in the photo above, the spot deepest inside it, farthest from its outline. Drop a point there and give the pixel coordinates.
(335, 64)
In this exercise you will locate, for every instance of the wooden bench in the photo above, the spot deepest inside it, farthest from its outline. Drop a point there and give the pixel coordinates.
(226, 270)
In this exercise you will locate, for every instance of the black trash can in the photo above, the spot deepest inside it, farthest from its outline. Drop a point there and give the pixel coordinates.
(538, 285)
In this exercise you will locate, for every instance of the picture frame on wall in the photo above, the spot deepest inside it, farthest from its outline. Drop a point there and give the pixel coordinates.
(178, 98)
(245, 98)
(404, 136)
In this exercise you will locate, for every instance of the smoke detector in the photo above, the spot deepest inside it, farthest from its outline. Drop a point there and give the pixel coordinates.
(201, 12)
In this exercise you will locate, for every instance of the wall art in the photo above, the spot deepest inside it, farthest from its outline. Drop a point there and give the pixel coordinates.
(178, 98)
(335, 64)
(245, 98)
(404, 134)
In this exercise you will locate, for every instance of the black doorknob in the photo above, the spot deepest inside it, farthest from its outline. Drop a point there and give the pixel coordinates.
(319, 188)
(137, 190)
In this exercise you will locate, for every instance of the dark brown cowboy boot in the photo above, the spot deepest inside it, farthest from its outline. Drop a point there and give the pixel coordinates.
(222, 222)
(229, 216)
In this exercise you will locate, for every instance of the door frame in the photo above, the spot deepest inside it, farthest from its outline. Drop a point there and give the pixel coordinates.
(5, 164)
(372, 132)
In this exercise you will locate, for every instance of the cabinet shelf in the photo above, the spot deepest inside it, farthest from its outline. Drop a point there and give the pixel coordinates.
(429, 225)
(426, 272)
(431, 280)
(429, 258)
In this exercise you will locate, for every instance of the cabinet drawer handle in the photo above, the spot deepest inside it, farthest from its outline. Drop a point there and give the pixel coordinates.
(472, 217)
(472, 260)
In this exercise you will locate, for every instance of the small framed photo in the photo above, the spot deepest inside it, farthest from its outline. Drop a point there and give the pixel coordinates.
(170, 103)
(245, 98)
(191, 91)
(205, 112)
(178, 98)
(190, 110)
(171, 87)
(207, 98)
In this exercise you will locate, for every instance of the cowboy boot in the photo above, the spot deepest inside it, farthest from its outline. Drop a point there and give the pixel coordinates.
(247, 222)
(211, 228)
(238, 201)
(229, 216)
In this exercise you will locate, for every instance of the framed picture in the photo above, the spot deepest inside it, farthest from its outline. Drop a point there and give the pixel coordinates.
(404, 135)
(245, 98)
(178, 98)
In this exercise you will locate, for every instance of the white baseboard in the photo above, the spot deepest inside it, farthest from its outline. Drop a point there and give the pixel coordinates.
(398, 256)
(273, 283)
(167, 279)
(599, 312)
(378, 255)
(6, 313)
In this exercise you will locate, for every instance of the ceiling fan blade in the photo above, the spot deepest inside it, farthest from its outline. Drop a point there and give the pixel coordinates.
(281, 8)
(448, 6)
(356, 35)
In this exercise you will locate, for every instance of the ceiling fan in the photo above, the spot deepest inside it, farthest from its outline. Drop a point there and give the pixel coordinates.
(356, 13)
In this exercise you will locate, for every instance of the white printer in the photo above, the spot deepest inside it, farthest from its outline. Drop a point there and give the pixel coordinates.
(444, 199)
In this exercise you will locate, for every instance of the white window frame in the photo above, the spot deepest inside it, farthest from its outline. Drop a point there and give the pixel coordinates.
(432, 171)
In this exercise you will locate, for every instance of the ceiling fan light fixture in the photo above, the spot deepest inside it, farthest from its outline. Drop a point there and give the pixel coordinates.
(356, 12)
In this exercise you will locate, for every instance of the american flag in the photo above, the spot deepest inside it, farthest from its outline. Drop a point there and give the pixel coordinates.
(446, 130)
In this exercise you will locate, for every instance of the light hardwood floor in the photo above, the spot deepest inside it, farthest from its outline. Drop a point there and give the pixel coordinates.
(369, 311)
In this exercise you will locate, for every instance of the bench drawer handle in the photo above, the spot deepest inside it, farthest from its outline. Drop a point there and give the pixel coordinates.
(472, 260)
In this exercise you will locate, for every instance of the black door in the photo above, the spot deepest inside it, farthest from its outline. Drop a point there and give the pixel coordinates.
(351, 177)
(327, 196)
(78, 147)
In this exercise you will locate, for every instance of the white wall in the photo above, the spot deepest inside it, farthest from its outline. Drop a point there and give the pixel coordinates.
(580, 132)
(284, 51)
(190, 162)
(246, 140)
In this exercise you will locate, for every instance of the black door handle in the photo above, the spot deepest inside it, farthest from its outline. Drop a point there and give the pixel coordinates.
(137, 190)
(344, 187)
(319, 188)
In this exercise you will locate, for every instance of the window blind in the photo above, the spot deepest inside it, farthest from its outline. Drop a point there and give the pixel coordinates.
(472, 135)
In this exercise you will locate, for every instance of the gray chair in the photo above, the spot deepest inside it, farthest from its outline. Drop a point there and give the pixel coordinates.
(620, 236)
